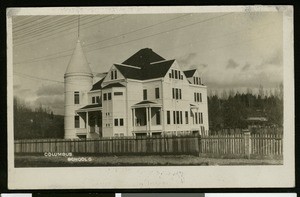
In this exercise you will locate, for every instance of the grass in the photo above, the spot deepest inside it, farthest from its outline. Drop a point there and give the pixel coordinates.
(169, 160)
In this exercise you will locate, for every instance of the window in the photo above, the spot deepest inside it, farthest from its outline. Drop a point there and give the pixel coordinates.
(176, 74)
(201, 118)
(104, 96)
(177, 117)
(200, 97)
(109, 96)
(179, 75)
(118, 93)
(200, 82)
(173, 75)
(186, 117)
(158, 117)
(168, 117)
(112, 75)
(116, 122)
(145, 94)
(116, 76)
(179, 93)
(173, 93)
(170, 75)
(157, 93)
(196, 118)
(76, 97)
(121, 121)
(195, 97)
(194, 80)
(180, 117)
(95, 99)
(176, 93)
(174, 117)
(76, 120)
(197, 80)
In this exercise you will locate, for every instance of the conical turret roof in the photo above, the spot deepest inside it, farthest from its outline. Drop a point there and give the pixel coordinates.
(78, 62)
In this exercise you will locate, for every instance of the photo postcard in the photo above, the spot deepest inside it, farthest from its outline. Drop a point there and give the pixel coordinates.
(150, 97)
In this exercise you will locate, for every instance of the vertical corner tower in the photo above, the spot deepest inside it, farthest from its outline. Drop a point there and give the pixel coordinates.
(78, 81)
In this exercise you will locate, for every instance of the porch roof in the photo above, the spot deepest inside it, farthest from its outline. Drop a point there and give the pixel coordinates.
(146, 103)
(91, 107)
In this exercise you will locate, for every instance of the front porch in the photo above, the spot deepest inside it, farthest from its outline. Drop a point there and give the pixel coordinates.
(92, 116)
(147, 118)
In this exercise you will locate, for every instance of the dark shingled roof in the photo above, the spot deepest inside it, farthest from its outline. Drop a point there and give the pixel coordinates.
(97, 86)
(129, 72)
(143, 58)
(92, 106)
(189, 73)
(112, 85)
(152, 71)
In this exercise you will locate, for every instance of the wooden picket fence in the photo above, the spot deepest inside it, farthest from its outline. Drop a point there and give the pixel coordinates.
(239, 145)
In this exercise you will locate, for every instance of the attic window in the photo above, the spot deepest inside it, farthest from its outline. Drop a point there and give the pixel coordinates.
(113, 74)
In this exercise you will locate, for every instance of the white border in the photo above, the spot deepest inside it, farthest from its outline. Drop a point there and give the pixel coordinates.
(160, 177)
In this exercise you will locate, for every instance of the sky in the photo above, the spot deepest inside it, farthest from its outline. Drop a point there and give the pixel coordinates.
(232, 50)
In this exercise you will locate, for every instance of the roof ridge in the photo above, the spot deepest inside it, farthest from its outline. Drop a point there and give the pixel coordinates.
(162, 61)
(119, 64)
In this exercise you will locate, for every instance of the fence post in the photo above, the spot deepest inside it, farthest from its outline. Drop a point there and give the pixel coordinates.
(247, 138)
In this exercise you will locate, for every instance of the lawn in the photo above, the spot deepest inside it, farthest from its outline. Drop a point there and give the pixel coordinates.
(168, 160)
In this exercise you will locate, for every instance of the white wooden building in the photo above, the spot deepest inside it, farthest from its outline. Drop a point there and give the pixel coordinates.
(144, 95)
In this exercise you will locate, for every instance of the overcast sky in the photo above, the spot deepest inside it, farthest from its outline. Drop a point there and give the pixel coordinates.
(231, 50)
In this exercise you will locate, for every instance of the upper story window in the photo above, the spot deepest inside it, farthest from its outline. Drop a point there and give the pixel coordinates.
(109, 96)
(197, 80)
(96, 99)
(157, 93)
(145, 94)
(176, 74)
(76, 97)
(113, 74)
(176, 93)
(197, 97)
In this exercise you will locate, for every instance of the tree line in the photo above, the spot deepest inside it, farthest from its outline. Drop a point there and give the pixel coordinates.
(36, 123)
(231, 109)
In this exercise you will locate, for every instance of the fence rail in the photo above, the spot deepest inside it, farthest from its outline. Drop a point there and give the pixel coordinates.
(214, 145)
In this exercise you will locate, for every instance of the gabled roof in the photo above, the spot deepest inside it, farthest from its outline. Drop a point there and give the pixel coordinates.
(143, 58)
(152, 71)
(189, 73)
(113, 85)
(97, 86)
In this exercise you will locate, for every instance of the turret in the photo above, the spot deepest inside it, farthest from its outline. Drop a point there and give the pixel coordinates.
(78, 82)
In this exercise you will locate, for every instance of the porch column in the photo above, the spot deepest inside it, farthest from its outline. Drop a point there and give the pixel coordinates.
(150, 116)
(133, 117)
(87, 123)
(147, 118)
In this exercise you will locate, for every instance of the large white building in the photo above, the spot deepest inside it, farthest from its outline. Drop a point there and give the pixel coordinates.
(144, 95)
